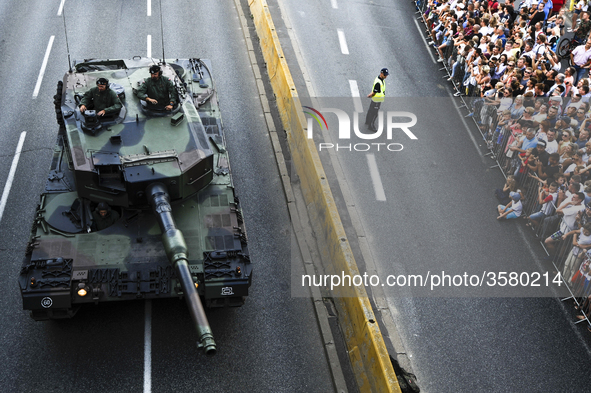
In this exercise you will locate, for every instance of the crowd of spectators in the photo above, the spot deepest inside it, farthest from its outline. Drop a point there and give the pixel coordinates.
(533, 109)
(485, 43)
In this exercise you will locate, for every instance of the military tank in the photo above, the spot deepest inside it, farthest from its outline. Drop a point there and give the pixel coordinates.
(160, 176)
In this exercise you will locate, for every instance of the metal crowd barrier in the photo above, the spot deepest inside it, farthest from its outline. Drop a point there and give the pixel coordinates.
(575, 267)
(573, 264)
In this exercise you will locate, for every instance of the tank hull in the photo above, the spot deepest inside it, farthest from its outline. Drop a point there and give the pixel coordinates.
(128, 261)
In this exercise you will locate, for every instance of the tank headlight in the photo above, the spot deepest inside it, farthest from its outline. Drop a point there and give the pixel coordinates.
(82, 289)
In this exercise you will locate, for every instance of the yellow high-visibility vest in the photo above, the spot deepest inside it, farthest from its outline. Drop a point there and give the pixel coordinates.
(379, 97)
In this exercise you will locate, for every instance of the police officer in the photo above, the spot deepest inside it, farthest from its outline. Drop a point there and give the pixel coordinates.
(102, 99)
(377, 97)
(103, 217)
(157, 90)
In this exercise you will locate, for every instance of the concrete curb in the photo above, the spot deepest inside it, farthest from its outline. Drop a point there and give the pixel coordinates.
(367, 350)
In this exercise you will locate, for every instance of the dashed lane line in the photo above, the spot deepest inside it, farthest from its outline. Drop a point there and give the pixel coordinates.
(356, 96)
(375, 177)
(10, 179)
(61, 8)
(148, 347)
(43, 66)
(343, 41)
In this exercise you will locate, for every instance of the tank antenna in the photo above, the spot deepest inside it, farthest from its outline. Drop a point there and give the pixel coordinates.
(162, 33)
(66, 34)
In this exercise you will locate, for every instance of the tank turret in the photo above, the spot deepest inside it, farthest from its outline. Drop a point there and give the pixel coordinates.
(139, 202)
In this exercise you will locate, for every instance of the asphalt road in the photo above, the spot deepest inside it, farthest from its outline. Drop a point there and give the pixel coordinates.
(272, 343)
(439, 212)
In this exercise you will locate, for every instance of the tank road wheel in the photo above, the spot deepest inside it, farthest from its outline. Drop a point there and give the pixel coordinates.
(57, 102)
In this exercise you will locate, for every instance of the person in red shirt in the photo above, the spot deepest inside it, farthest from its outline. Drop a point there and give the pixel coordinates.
(547, 199)
(557, 5)
(493, 5)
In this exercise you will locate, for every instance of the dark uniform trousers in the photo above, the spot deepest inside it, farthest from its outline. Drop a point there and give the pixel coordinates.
(372, 114)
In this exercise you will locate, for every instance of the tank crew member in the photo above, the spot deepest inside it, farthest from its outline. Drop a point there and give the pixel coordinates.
(377, 97)
(102, 99)
(103, 217)
(158, 90)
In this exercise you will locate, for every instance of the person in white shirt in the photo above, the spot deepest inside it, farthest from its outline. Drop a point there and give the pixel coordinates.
(537, 30)
(580, 7)
(528, 50)
(581, 60)
(581, 243)
(568, 210)
(586, 93)
(509, 51)
(587, 153)
(459, 10)
(575, 102)
(551, 144)
(485, 29)
(483, 43)
(527, 3)
(513, 208)
(540, 46)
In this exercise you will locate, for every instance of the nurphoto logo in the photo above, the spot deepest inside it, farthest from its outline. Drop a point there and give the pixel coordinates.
(395, 120)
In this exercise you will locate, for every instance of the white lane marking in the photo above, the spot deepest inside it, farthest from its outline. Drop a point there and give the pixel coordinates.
(42, 70)
(149, 45)
(375, 178)
(334, 4)
(59, 11)
(148, 347)
(149, 7)
(425, 41)
(343, 41)
(10, 178)
(356, 96)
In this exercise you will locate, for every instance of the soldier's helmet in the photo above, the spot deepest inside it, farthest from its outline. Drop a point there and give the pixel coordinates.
(155, 69)
(102, 206)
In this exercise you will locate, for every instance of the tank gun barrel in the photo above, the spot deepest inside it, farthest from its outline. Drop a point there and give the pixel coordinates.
(176, 251)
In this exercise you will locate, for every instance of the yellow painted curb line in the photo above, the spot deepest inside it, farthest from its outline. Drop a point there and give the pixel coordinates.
(367, 350)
